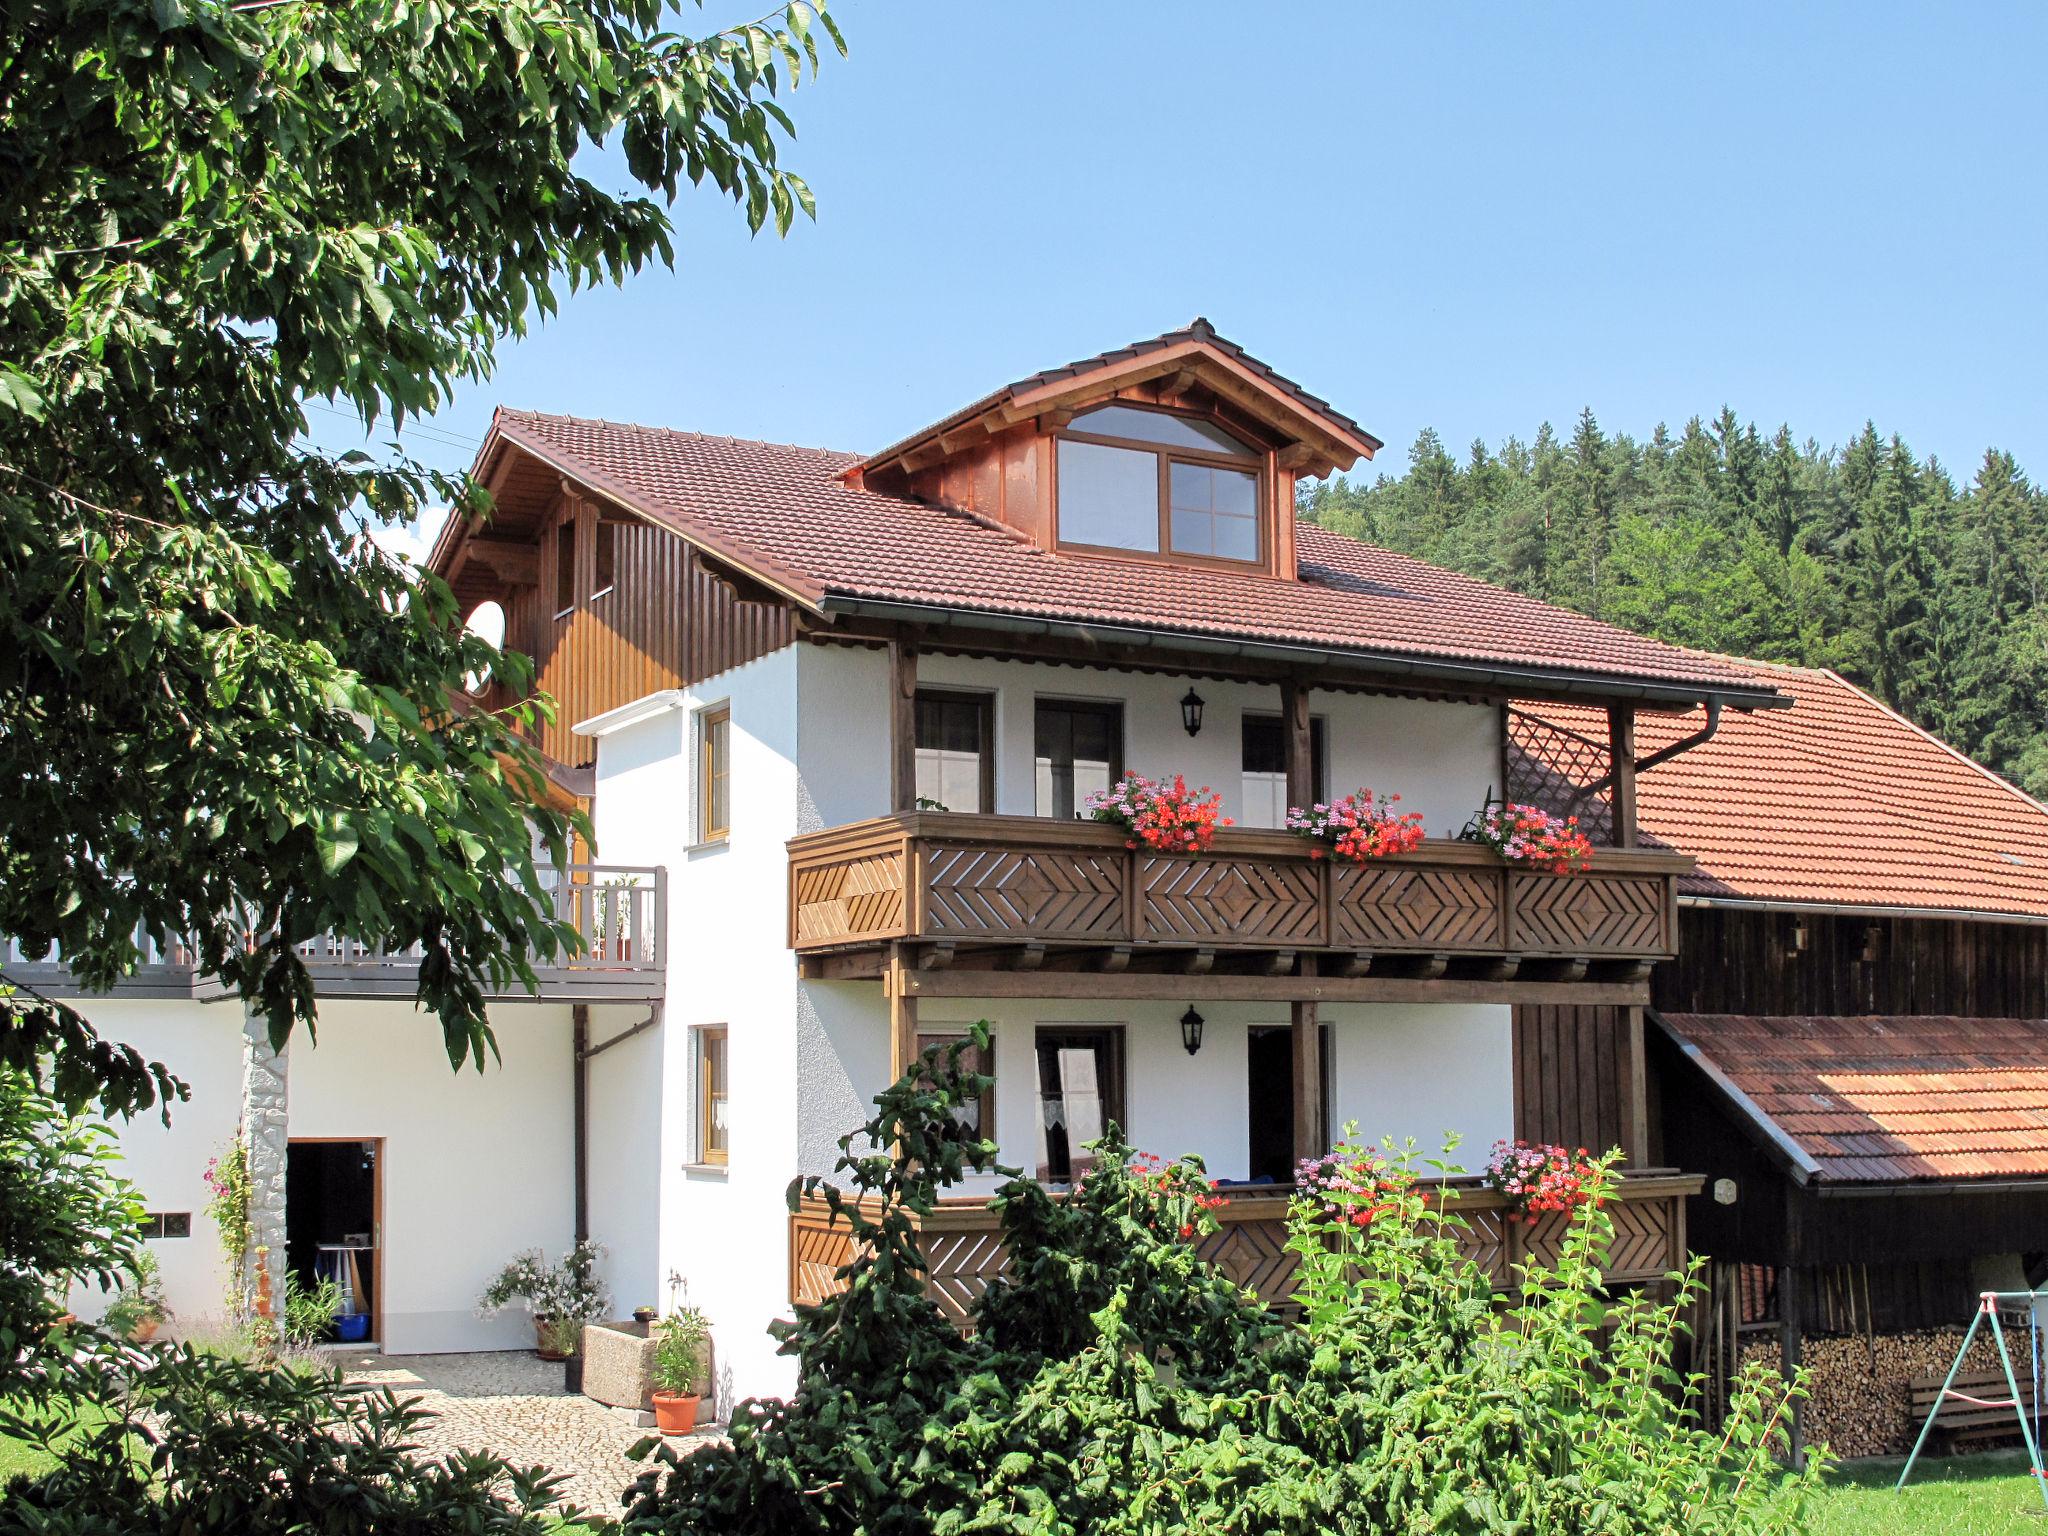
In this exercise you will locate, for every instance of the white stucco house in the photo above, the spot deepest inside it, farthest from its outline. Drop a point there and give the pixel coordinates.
(837, 715)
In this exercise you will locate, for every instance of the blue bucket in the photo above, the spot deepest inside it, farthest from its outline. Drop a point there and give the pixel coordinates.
(352, 1327)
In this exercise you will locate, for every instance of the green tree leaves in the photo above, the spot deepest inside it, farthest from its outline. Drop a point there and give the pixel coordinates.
(1866, 560)
(223, 709)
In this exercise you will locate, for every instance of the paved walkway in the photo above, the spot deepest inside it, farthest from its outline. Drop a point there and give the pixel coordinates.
(512, 1403)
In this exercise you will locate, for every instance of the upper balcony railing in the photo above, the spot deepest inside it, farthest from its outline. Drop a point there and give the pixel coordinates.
(959, 883)
(619, 911)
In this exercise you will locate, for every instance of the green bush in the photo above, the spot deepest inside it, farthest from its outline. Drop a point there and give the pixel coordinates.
(1116, 1383)
(195, 1445)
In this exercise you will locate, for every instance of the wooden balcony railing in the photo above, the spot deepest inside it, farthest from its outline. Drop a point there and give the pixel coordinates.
(963, 1247)
(620, 912)
(970, 881)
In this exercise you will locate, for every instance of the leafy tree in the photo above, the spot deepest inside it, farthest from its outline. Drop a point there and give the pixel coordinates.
(222, 707)
(1861, 559)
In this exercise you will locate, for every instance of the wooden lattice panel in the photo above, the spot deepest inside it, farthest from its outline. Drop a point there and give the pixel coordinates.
(1588, 914)
(983, 892)
(959, 1267)
(1642, 1239)
(1488, 1241)
(1401, 906)
(817, 1253)
(850, 900)
(1254, 1254)
(1219, 900)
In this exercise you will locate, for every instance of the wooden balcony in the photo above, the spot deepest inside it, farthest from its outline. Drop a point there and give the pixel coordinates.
(620, 911)
(963, 1248)
(976, 897)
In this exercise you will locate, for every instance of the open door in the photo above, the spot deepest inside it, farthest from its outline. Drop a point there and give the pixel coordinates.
(333, 1223)
(1269, 1093)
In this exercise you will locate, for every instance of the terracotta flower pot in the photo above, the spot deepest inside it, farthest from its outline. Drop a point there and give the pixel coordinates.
(540, 1343)
(675, 1413)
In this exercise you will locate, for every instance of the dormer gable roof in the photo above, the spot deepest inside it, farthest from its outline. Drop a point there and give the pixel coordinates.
(1321, 438)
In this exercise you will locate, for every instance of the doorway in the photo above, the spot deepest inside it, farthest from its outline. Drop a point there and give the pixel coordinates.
(333, 1225)
(1269, 1106)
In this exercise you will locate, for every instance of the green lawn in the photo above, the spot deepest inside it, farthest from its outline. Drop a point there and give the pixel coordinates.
(1987, 1495)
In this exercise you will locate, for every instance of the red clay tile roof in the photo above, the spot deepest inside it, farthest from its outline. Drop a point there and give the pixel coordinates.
(1888, 1100)
(1198, 329)
(1835, 800)
(784, 514)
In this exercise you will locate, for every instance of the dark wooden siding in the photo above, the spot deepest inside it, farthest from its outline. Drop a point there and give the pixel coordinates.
(667, 622)
(1744, 961)
(1570, 1075)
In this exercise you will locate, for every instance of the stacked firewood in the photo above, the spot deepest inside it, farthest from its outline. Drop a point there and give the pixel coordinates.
(1858, 1384)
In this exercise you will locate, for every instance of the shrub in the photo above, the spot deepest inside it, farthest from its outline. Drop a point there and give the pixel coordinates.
(196, 1445)
(140, 1299)
(679, 1342)
(309, 1311)
(1117, 1383)
(570, 1289)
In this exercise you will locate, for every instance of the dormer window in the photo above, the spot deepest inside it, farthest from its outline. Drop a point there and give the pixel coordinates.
(1158, 482)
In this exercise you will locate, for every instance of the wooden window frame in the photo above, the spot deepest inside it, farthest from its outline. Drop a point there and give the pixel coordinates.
(599, 586)
(709, 1156)
(1114, 708)
(946, 1034)
(707, 718)
(1251, 463)
(1319, 748)
(985, 705)
(567, 525)
(1114, 1107)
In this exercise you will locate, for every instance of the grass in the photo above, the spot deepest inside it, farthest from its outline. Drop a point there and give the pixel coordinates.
(19, 1457)
(1985, 1495)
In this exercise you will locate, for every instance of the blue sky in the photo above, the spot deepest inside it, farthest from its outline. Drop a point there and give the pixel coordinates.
(1469, 217)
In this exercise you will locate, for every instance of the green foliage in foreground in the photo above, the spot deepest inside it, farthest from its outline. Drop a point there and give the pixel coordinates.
(223, 707)
(1118, 1384)
(1930, 592)
(190, 1445)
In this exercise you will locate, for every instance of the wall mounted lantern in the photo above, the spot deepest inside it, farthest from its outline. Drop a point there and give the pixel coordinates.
(1191, 712)
(1191, 1031)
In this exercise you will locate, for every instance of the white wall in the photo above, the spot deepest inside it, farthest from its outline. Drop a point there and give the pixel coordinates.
(1399, 1070)
(724, 1230)
(475, 1166)
(1441, 758)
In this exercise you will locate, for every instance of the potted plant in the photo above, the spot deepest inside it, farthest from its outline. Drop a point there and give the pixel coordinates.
(1158, 816)
(679, 1342)
(1361, 826)
(138, 1309)
(561, 1338)
(1537, 1177)
(309, 1311)
(1527, 834)
(568, 1292)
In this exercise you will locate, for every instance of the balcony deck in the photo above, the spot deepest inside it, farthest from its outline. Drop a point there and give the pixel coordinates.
(620, 911)
(985, 895)
(962, 1241)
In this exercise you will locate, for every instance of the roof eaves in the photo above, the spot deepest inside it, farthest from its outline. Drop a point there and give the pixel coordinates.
(1489, 676)
(791, 584)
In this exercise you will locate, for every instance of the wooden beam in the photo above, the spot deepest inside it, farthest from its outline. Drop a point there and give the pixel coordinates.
(1054, 421)
(1029, 957)
(971, 435)
(515, 562)
(1357, 963)
(1311, 1136)
(1173, 388)
(1171, 986)
(1114, 959)
(936, 957)
(1499, 968)
(1635, 1098)
(1281, 963)
(1621, 745)
(1198, 962)
(898, 981)
(902, 725)
(1294, 721)
(923, 456)
(1295, 456)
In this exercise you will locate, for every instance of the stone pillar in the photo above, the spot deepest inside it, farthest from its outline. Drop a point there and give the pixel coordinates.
(265, 1129)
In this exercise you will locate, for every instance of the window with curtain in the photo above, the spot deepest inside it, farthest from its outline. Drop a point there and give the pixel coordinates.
(955, 750)
(1080, 1093)
(1079, 749)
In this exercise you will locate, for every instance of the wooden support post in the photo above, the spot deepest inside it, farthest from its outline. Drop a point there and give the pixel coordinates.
(1635, 1107)
(1311, 1135)
(896, 980)
(579, 1030)
(1301, 772)
(1621, 747)
(1791, 1338)
(902, 725)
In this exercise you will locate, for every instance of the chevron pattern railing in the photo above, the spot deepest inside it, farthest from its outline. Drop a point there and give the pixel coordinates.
(962, 1242)
(970, 879)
